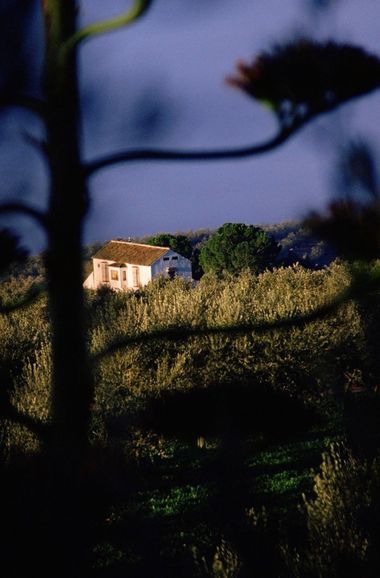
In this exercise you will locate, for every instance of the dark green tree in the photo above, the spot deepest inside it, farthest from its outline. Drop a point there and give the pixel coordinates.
(182, 245)
(236, 246)
(178, 243)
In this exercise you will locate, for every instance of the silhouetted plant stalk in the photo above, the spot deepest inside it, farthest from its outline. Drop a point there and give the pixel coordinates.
(190, 155)
(296, 81)
(72, 386)
(31, 103)
(24, 209)
(67, 209)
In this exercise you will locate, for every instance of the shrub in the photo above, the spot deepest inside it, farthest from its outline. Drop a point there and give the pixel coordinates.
(342, 520)
(305, 361)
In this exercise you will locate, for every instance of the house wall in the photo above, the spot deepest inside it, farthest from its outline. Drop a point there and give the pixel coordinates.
(181, 264)
(98, 272)
(115, 283)
(144, 272)
(160, 267)
(89, 283)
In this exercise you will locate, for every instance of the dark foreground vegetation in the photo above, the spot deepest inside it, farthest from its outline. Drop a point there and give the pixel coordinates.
(218, 455)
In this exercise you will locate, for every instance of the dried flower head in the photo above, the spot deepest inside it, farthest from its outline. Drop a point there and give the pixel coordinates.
(305, 77)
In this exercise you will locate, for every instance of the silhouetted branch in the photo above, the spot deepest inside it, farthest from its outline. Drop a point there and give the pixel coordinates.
(355, 290)
(34, 425)
(139, 7)
(31, 295)
(23, 209)
(31, 103)
(202, 155)
(38, 144)
(281, 84)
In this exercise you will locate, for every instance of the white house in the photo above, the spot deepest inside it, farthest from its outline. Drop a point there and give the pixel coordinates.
(123, 265)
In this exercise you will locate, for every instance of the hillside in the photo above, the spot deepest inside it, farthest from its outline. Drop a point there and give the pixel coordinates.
(297, 246)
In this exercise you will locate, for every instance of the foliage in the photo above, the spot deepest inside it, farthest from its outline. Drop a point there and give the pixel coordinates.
(225, 562)
(235, 246)
(303, 362)
(178, 243)
(306, 77)
(290, 360)
(181, 244)
(177, 500)
(352, 228)
(25, 363)
(306, 361)
(342, 519)
(298, 245)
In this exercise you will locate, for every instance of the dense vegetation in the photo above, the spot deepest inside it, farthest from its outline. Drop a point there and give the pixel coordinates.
(178, 243)
(203, 446)
(296, 245)
(235, 247)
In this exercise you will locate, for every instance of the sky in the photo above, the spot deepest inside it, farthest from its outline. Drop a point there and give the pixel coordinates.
(160, 83)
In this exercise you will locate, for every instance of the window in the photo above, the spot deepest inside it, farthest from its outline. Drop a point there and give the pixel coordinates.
(124, 275)
(174, 258)
(114, 275)
(166, 258)
(171, 272)
(105, 273)
(136, 276)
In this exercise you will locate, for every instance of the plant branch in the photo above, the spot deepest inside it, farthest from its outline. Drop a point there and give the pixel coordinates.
(15, 207)
(201, 155)
(36, 426)
(138, 8)
(31, 103)
(288, 126)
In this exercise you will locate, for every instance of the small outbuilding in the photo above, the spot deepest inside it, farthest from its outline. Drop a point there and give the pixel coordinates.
(122, 265)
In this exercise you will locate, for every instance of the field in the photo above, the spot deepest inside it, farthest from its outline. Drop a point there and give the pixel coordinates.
(241, 453)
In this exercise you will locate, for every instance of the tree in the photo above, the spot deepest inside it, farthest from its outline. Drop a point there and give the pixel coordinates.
(236, 246)
(178, 243)
(182, 245)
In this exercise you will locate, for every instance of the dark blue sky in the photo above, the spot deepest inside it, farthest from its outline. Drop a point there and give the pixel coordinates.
(161, 83)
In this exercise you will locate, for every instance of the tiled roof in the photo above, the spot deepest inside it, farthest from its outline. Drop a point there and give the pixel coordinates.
(134, 253)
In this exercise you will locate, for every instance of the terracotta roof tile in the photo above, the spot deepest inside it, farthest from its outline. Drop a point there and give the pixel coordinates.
(134, 253)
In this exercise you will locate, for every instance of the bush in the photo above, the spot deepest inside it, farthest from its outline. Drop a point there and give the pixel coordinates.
(305, 361)
(342, 520)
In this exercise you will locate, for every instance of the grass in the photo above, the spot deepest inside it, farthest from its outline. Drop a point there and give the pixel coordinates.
(174, 501)
(283, 472)
(178, 501)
